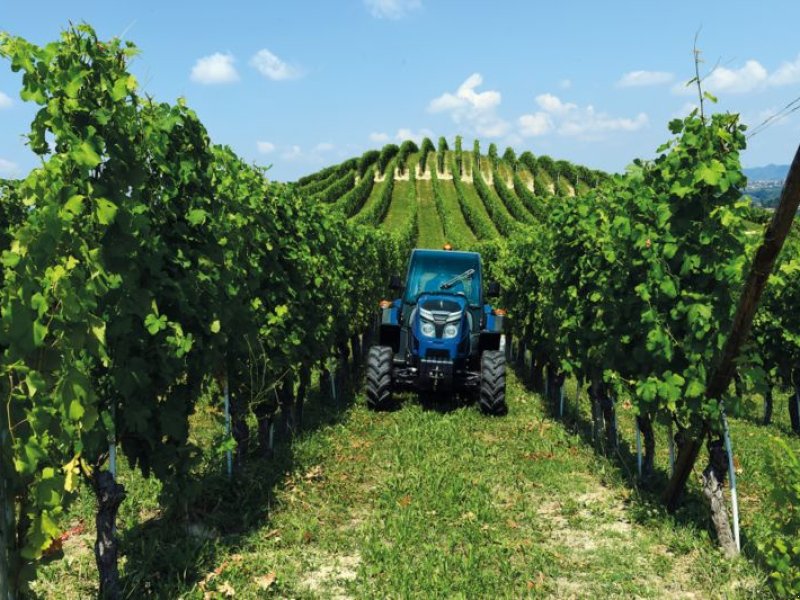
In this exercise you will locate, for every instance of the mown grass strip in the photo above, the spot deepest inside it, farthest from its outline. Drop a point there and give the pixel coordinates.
(402, 206)
(431, 233)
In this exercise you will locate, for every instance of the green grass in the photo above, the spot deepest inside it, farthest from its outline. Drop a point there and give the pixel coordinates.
(431, 234)
(401, 208)
(412, 503)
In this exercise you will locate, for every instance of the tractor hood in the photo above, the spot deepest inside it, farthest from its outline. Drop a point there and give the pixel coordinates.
(441, 308)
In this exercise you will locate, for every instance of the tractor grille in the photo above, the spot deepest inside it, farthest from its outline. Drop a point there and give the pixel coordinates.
(433, 354)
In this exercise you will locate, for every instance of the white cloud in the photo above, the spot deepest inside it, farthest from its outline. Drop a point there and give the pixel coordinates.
(535, 125)
(404, 134)
(379, 137)
(214, 69)
(565, 84)
(5, 101)
(492, 127)
(472, 109)
(645, 78)
(737, 81)
(750, 77)
(265, 147)
(787, 74)
(292, 153)
(323, 147)
(272, 67)
(392, 9)
(466, 97)
(8, 168)
(590, 124)
(553, 105)
(568, 119)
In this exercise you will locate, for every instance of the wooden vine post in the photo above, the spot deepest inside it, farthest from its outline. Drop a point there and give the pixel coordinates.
(721, 376)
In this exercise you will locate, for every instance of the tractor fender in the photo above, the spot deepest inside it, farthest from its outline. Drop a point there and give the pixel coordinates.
(494, 323)
(389, 329)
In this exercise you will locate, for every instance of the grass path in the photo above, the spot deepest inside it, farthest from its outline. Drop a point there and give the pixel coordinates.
(422, 503)
(430, 225)
(401, 207)
(417, 503)
(453, 211)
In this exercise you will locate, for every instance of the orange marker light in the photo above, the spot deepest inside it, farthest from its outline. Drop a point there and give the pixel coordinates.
(500, 312)
(447, 247)
(385, 304)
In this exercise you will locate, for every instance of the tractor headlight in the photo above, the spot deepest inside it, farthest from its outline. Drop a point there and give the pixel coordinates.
(427, 328)
(450, 330)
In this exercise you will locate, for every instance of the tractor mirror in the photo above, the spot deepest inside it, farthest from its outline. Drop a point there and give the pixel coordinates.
(493, 290)
(395, 283)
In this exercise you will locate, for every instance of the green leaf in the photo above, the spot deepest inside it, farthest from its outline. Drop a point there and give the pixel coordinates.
(33, 93)
(85, 155)
(155, 323)
(709, 173)
(196, 216)
(105, 210)
(695, 389)
(74, 205)
(72, 88)
(669, 250)
(667, 286)
(34, 382)
(10, 259)
(215, 326)
(120, 89)
(39, 333)
(76, 410)
(98, 328)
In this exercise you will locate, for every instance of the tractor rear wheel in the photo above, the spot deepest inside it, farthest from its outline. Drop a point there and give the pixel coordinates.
(379, 377)
(492, 399)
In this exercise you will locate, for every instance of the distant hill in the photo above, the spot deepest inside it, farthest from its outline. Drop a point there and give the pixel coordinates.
(429, 195)
(767, 172)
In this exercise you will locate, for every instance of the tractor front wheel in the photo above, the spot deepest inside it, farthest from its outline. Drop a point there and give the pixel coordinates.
(492, 399)
(379, 377)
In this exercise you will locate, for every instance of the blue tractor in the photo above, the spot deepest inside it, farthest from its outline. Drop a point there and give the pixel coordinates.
(440, 338)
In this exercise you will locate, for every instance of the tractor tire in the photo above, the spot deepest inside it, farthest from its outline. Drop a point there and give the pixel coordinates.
(379, 377)
(492, 399)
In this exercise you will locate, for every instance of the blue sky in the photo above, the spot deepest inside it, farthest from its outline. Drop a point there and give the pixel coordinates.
(303, 84)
